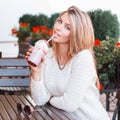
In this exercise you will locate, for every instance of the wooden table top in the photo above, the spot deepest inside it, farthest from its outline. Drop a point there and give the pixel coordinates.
(8, 109)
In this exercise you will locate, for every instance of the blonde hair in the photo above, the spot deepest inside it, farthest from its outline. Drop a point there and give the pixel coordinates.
(81, 34)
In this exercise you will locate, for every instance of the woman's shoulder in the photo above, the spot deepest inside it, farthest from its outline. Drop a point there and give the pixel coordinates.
(84, 53)
(83, 56)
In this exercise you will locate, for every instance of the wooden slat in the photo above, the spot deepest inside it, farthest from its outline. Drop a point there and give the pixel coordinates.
(8, 108)
(15, 82)
(58, 113)
(9, 72)
(8, 62)
(3, 112)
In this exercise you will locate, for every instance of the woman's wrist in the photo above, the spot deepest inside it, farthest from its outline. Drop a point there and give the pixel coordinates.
(36, 76)
(36, 72)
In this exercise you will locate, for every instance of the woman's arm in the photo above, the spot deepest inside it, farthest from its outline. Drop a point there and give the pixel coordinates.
(39, 92)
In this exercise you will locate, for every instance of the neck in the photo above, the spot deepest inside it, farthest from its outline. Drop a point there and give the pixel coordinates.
(62, 55)
(63, 48)
(62, 61)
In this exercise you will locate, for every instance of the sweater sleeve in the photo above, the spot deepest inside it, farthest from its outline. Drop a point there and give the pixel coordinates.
(39, 92)
(83, 73)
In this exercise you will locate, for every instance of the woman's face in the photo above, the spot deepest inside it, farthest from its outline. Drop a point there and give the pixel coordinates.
(61, 29)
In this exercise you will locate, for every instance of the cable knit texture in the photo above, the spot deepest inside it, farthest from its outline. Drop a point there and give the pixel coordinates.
(72, 89)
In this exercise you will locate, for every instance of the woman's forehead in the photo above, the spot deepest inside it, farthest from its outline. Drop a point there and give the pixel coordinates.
(65, 17)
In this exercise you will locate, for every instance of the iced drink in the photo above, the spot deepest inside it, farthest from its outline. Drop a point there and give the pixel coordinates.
(40, 49)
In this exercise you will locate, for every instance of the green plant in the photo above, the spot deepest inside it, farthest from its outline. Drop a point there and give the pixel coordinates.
(107, 53)
(31, 35)
(40, 32)
(105, 24)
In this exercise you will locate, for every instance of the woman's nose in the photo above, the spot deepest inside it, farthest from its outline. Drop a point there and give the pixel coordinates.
(59, 27)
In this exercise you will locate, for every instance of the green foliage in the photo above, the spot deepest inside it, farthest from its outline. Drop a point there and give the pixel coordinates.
(28, 23)
(52, 20)
(34, 20)
(105, 24)
(107, 53)
(23, 33)
(43, 19)
(31, 21)
(39, 20)
(25, 18)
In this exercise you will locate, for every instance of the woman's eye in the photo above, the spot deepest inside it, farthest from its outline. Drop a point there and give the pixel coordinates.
(67, 27)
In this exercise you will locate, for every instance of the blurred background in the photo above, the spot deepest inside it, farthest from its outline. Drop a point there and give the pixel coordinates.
(12, 10)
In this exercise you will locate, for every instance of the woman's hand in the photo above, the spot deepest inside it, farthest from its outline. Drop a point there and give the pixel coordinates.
(35, 70)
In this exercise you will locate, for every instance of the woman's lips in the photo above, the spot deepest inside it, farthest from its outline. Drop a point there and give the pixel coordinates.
(56, 35)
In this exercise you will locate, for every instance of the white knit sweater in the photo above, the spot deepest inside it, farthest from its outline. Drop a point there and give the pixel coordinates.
(72, 89)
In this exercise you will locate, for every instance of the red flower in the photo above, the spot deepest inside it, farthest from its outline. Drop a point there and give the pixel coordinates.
(14, 31)
(44, 31)
(44, 27)
(118, 44)
(97, 42)
(50, 32)
(101, 87)
(36, 29)
(23, 24)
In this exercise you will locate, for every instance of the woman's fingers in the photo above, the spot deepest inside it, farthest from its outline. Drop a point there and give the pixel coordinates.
(28, 53)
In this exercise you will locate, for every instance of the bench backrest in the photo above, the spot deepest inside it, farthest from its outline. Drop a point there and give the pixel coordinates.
(14, 72)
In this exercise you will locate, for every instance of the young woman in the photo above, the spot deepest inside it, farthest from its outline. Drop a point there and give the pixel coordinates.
(67, 75)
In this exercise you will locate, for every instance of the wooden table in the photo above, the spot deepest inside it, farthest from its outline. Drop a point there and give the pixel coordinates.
(8, 109)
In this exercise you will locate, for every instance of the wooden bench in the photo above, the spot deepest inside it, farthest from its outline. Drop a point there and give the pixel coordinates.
(14, 75)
